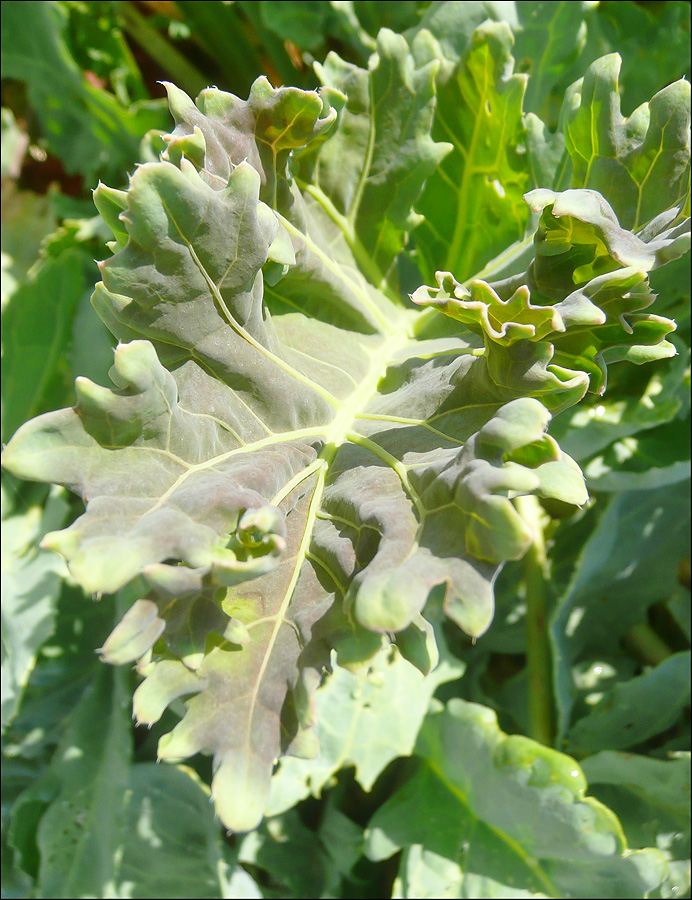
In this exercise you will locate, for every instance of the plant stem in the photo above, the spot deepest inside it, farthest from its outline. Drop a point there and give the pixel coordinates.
(162, 51)
(643, 641)
(539, 670)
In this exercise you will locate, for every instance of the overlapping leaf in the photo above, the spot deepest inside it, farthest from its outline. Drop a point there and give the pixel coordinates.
(633, 161)
(286, 443)
(577, 307)
(365, 718)
(30, 588)
(373, 170)
(90, 130)
(640, 533)
(473, 204)
(650, 796)
(630, 713)
(500, 151)
(501, 815)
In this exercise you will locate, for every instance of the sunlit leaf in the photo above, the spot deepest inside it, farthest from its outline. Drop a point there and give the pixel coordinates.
(509, 810)
(293, 457)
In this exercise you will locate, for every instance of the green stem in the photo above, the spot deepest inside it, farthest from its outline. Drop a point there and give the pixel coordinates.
(643, 641)
(541, 719)
(182, 71)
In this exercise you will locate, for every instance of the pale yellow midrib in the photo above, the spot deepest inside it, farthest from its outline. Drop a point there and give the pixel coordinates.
(336, 435)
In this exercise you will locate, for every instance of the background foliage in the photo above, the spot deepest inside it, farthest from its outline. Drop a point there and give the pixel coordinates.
(86, 812)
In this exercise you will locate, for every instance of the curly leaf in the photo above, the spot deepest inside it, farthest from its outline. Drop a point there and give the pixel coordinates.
(220, 131)
(312, 254)
(580, 301)
(636, 162)
(462, 524)
(240, 464)
(373, 169)
(288, 455)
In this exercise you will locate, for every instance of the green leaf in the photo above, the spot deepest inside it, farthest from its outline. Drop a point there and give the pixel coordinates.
(231, 46)
(650, 796)
(341, 838)
(653, 41)
(365, 718)
(398, 16)
(81, 796)
(292, 857)
(634, 711)
(291, 453)
(172, 846)
(636, 161)
(498, 156)
(631, 560)
(551, 36)
(65, 666)
(166, 808)
(91, 345)
(679, 608)
(302, 23)
(27, 218)
(453, 23)
(373, 169)
(654, 459)
(472, 204)
(506, 809)
(30, 588)
(36, 335)
(547, 36)
(88, 129)
(425, 874)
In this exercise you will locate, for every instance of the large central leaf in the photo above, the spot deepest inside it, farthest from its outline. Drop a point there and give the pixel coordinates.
(293, 457)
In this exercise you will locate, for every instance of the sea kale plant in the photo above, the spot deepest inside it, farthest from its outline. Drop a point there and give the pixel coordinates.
(346, 319)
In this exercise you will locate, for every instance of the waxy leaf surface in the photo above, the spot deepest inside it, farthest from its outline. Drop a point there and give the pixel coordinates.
(292, 456)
